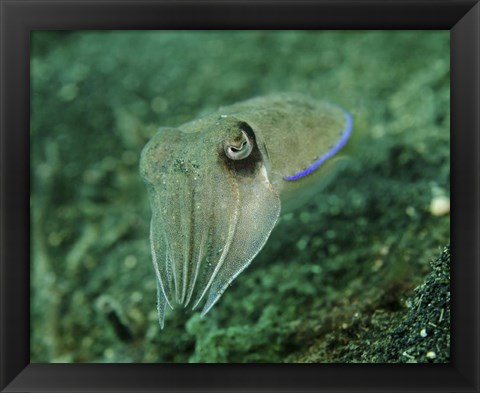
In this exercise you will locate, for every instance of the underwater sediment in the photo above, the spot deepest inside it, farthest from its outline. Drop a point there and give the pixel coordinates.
(345, 278)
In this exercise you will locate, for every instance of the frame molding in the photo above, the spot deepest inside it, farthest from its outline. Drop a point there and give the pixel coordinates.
(19, 17)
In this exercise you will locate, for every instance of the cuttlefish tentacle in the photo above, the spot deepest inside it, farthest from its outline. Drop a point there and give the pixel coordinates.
(246, 244)
(197, 228)
(215, 186)
(160, 257)
(188, 225)
(233, 219)
(198, 258)
(213, 215)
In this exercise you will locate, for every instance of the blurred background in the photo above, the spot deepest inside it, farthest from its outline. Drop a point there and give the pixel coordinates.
(359, 274)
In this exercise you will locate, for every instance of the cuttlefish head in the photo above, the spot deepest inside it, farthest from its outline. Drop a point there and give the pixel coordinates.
(213, 208)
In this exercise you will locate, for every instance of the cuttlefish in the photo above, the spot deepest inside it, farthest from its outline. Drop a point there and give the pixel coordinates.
(217, 184)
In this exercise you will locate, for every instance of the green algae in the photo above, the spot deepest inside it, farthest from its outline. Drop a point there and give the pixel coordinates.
(339, 280)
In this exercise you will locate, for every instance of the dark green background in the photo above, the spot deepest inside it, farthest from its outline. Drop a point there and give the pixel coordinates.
(335, 282)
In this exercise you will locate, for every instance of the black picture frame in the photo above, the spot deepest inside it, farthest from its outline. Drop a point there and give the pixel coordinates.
(20, 17)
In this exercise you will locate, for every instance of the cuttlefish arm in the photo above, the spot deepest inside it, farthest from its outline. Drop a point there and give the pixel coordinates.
(215, 186)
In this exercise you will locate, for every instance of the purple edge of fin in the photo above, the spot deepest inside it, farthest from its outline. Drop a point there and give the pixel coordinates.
(343, 140)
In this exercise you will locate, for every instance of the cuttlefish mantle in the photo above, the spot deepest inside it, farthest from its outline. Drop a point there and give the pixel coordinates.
(216, 185)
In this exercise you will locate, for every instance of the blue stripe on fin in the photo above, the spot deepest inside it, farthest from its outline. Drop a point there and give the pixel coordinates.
(342, 142)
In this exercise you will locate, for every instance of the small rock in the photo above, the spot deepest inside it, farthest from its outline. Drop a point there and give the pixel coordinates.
(440, 205)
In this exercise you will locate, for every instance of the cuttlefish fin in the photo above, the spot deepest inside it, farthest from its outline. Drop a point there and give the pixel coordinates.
(297, 193)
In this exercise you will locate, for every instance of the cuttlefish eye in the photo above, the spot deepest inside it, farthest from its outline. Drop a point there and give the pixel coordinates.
(239, 150)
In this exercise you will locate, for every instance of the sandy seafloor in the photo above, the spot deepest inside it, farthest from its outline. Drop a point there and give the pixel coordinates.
(359, 274)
